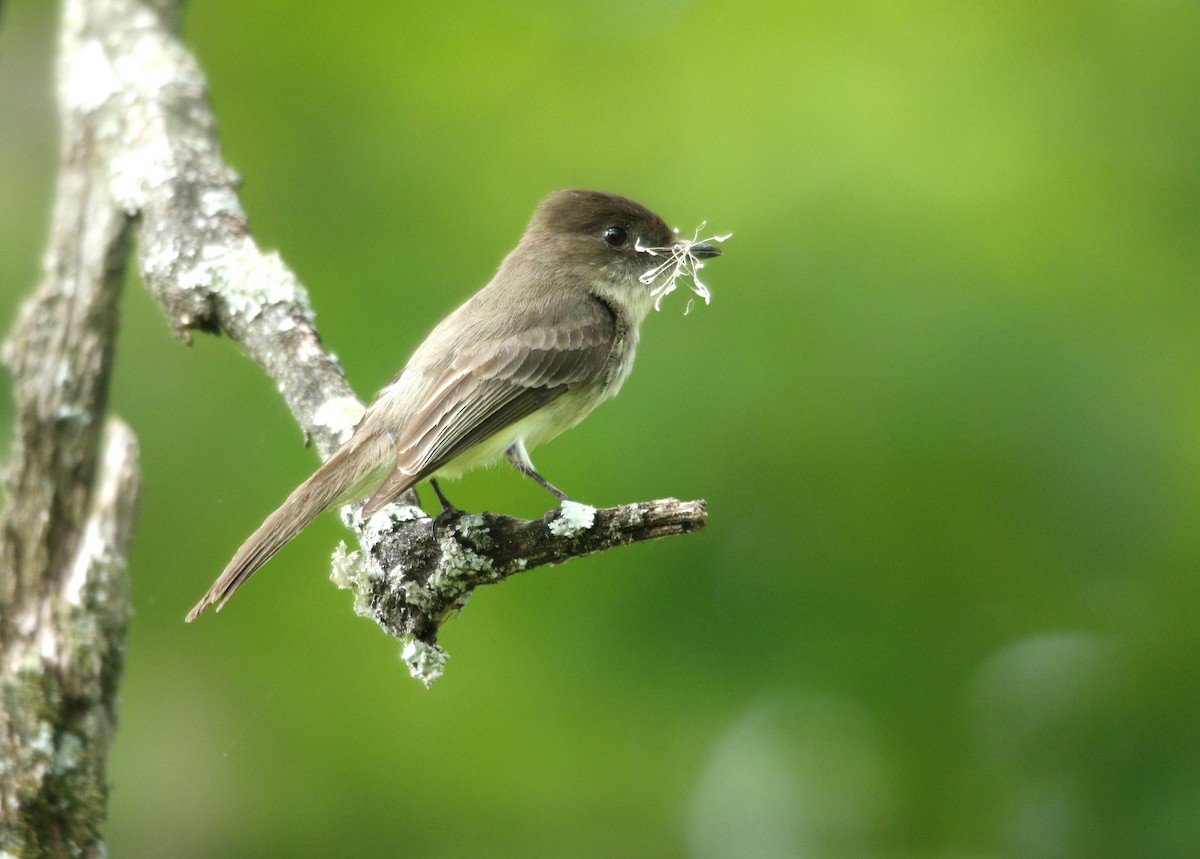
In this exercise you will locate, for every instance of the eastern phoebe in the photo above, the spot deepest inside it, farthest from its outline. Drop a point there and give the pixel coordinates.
(528, 356)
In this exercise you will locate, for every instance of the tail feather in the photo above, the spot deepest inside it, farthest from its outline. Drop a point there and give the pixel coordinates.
(393, 486)
(335, 482)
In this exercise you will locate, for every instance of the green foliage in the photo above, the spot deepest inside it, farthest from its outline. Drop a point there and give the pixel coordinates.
(943, 408)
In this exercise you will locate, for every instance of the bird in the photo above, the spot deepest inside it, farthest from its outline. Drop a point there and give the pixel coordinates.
(551, 336)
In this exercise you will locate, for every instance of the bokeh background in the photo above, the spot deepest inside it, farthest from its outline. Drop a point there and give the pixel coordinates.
(944, 408)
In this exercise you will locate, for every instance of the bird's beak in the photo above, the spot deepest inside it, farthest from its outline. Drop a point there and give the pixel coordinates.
(699, 250)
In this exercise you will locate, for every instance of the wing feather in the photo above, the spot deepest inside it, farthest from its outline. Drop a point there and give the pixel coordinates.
(491, 386)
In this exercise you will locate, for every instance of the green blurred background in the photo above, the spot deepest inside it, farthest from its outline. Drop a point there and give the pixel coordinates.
(943, 407)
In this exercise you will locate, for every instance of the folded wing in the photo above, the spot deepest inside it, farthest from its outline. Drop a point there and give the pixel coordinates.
(492, 385)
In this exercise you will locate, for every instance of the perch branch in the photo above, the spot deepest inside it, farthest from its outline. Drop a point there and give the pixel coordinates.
(413, 578)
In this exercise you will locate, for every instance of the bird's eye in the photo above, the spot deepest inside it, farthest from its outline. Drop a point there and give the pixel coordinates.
(614, 236)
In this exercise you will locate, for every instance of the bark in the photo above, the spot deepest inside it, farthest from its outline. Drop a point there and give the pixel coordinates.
(70, 506)
(414, 573)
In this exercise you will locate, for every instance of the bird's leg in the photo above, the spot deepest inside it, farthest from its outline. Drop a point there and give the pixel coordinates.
(519, 457)
(448, 509)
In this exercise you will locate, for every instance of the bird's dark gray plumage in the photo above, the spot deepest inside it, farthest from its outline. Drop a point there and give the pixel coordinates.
(531, 354)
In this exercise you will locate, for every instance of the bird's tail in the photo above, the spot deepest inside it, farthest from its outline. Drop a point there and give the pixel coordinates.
(339, 479)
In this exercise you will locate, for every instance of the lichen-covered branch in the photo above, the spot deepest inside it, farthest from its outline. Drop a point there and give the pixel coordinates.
(61, 674)
(417, 572)
(70, 508)
(195, 251)
(198, 259)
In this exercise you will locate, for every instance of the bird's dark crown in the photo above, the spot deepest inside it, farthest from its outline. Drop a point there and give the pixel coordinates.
(591, 213)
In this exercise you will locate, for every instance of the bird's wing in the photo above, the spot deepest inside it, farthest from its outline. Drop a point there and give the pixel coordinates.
(492, 385)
